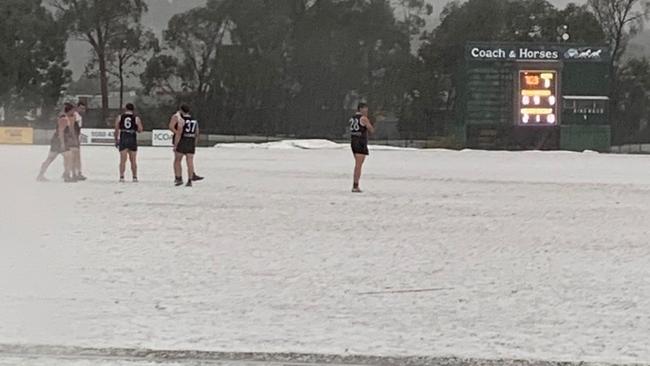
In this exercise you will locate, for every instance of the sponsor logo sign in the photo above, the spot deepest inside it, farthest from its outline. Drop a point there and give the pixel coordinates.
(488, 52)
(595, 54)
(96, 136)
(162, 138)
(15, 135)
(519, 53)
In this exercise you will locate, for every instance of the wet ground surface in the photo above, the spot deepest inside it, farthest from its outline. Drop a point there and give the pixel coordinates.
(11, 355)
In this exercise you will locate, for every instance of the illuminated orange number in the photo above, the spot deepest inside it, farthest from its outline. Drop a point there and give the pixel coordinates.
(532, 80)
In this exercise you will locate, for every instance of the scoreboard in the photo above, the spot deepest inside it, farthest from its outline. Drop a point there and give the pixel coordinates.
(538, 99)
(533, 96)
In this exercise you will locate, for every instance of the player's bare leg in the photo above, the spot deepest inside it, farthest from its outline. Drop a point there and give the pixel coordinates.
(46, 165)
(123, 157)
(190, 169)
(75, 153)
(133, 159)
(68, 176)
(195, 177)
(77, 164)
(73, 162)
(178, 168)
(359, 159)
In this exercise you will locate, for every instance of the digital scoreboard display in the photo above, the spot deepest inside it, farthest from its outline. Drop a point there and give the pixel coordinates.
(538, 99)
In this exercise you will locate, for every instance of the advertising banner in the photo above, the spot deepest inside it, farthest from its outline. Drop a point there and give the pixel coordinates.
(533, 52)
(16, 135)
(162, 138)
(95, 136)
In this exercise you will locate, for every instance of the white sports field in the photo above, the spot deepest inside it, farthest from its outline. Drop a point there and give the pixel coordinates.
(489, 255)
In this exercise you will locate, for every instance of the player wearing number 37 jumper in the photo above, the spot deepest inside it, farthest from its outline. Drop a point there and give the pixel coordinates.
(186, 135)
(360, 125)
(127, 127)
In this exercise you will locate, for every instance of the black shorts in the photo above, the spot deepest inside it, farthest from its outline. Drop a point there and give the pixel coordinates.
(360, 145)
(128, 142)
(186, 146)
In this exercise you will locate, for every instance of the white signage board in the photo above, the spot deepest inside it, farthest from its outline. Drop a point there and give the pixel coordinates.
(162, 138)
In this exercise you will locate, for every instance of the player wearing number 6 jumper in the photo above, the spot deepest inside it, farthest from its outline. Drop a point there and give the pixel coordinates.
(186, 137)
(127, 127)
(360, 125)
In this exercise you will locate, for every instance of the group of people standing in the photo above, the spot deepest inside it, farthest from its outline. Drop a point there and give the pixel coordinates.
(66, 141)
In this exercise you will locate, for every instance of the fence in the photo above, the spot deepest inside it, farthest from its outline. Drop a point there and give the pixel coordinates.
(162, 138)
(18, 135)
(631, 149)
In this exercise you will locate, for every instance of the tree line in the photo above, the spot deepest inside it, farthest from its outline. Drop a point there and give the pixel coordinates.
(297, 67)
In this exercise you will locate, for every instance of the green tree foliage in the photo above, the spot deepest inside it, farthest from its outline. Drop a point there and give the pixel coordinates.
(32, 58)
(128, 51)
(186, 66)
(505, 21)
(253, 74)
(343, 47)
(100, 23)
(283, 66)
(582, 25)
(633, 102)
(299, 66)
(620, 20)
(442, 54)
(412, 14)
